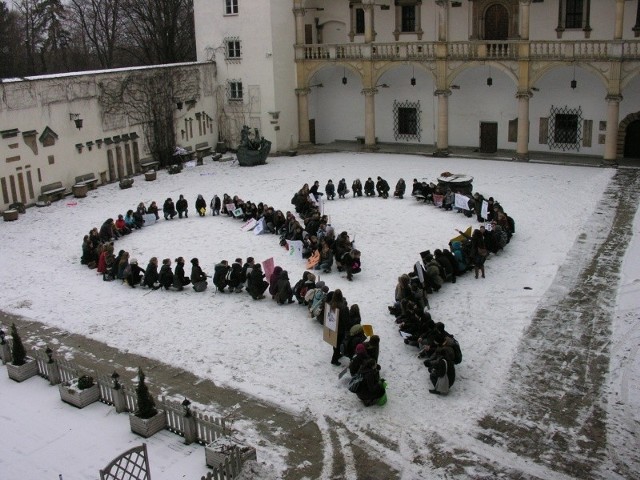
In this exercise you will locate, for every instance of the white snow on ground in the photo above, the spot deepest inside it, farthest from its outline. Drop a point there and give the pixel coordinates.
(276, 352)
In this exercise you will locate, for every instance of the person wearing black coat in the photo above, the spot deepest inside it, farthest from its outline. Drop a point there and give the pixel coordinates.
(166, 275)
(182, 207)
(382, 187)
(356, 188)
(350, 262)
(220, 275)
(447, 266)
(215, 205)
(284, 293)
(369, 188)
(201, 206)
(169, 209)
(135, 273)
(151, 276)
(330, 190)
(236, 277)
(361, 355)
(372, 389)
(337, 302)
(179, 279)
(198, 277)
(400, 189)
(342, 188)
(256, 284)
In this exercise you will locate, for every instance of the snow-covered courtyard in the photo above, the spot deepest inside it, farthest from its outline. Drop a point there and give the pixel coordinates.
(276, 353)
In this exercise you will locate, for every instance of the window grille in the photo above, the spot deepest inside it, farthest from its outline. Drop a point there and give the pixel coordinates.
(232, 48)
(234, 90)
(565, 128)
(406, 123)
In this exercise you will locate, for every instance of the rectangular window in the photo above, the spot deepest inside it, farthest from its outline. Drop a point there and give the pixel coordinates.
(566, 129)
(407, 121)
(230, 7)
(408, 20)
(234, 91)
(359, 21)
(573, 17)
(233, 49)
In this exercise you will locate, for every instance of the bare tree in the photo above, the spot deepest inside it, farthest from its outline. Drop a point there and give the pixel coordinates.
(160, 31)
(101, 22)
(148, 98)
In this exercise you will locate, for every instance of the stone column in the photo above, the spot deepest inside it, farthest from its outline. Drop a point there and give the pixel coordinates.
(369, 29)
(522, 150)
(617, 32)
(442, 142)
(369, 116)
(443, 20)
(303, 115)
(524, 19)
(190, 430)
(611, 139)
(299, 12)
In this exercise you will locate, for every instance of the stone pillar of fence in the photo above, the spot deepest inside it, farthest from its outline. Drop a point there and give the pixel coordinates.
(190, 430)
(53, 373)
(5, 353)
(119, 402)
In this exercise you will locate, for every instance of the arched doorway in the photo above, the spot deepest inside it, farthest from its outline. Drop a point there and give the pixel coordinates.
(496, 22)
(632, 140)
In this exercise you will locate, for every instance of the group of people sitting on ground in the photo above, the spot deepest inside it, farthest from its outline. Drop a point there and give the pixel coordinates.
(439, 349)
(371, 188)
(467, 251)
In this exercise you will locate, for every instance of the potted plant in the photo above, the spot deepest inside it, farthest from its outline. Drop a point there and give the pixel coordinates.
(223, 447)
(22, 366)
(79, 392)
(147, 420)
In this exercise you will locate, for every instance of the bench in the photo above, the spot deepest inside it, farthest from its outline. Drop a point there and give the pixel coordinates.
(148, 164)
(88, 179)
(51, 192)
(202, 150)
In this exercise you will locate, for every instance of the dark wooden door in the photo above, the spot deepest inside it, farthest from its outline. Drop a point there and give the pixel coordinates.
(496, 23)
(632, 140)
(488, 137)
(308, 34)
(112, 165)
(23, 192)
(312, 130)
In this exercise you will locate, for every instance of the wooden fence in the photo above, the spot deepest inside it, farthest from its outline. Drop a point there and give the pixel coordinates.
(193, 425)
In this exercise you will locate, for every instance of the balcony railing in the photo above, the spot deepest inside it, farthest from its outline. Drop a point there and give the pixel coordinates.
(587, 50)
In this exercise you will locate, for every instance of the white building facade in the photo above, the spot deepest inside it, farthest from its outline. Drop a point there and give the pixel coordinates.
(554, 76)
(56, 128)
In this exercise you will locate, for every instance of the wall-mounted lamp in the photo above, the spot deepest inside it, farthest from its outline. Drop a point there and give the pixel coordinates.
(186, 406)
(344, 76)
(382, 85)
(489, 78)
(76, 119)
(413, 77)
(317, 85)
(574, 83)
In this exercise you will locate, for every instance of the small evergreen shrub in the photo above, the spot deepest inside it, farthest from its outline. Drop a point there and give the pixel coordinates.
(146, 405)
(85, 381)
(18, 353)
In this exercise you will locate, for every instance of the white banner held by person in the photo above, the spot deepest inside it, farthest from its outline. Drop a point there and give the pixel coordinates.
(484, 212)
(295, 248)
(249, 225)
(462, 202)
(260, 227)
